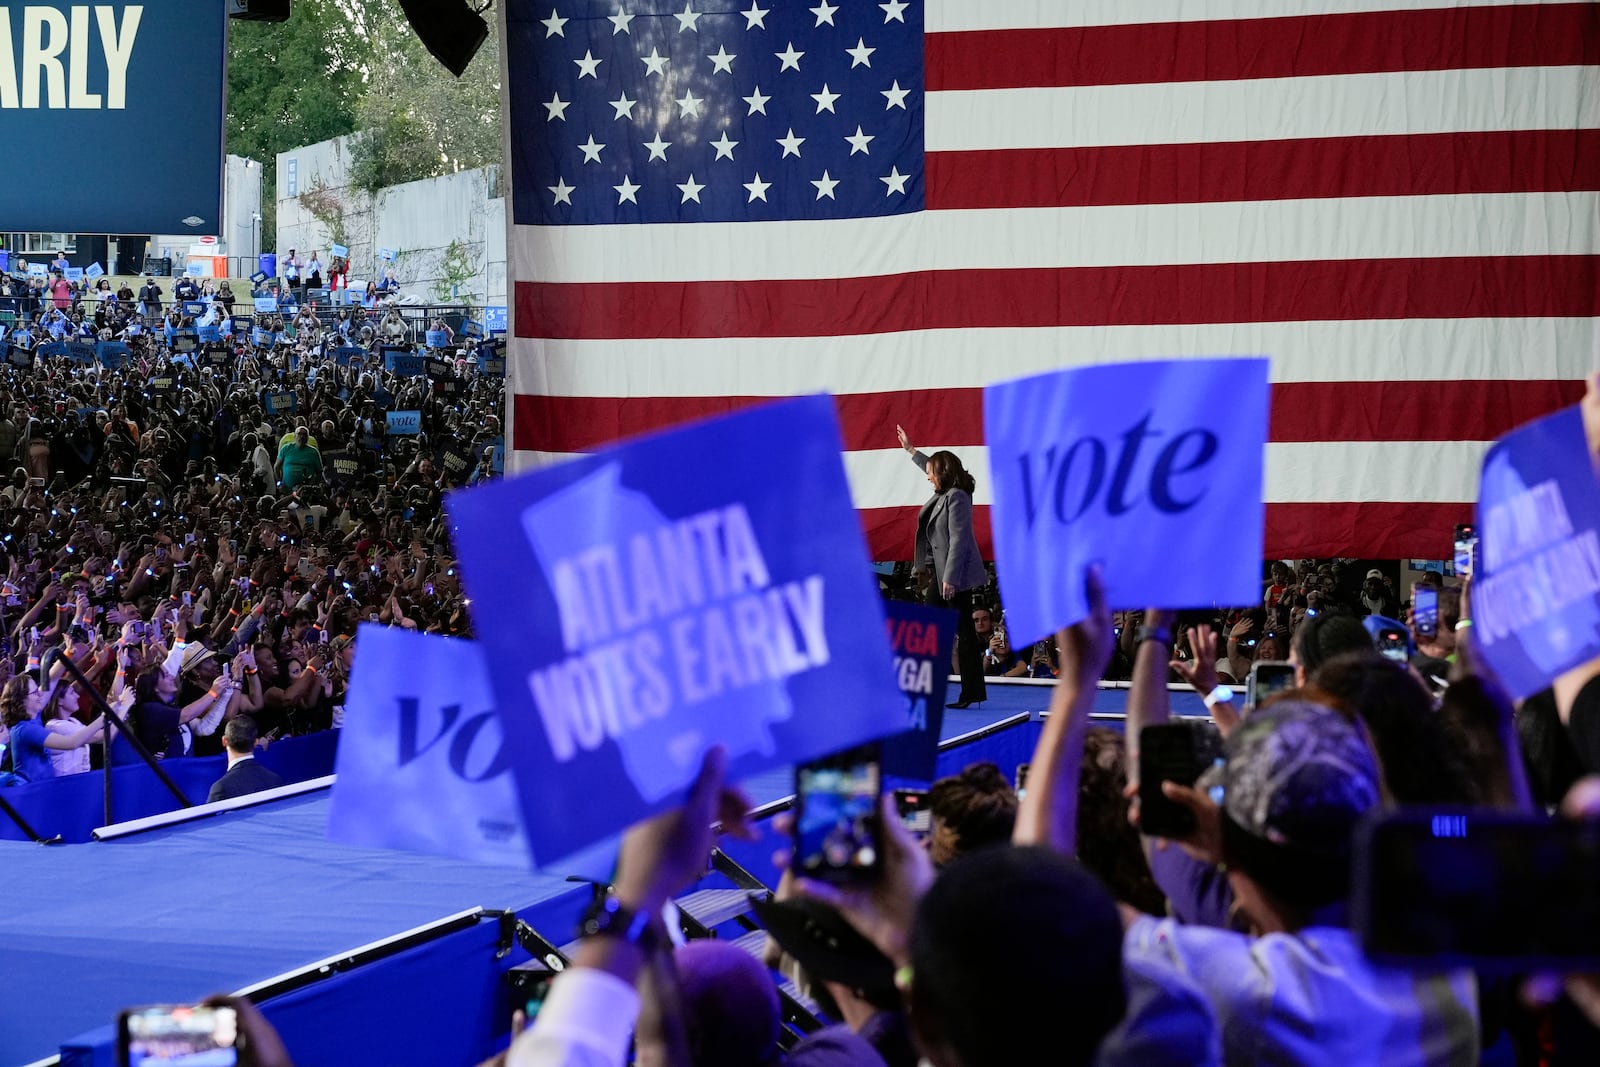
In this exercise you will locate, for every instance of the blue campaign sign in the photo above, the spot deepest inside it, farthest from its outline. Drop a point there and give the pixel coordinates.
(399, 361)
(492, 366)
(472, 328)
(18, 356)
(1536, 589)
(404, 422)
(186, 339)
(81, 351)
(93, 270)
(494, 319)
(266, 305)
(53, 349)
(1151, 487)
(210, 333)
(112, 354)
(340, 251)
(195, 269)
(239, 325)
(386, 254)
(260, 337)
(279, 403)
(73, 274)
(437, 338)
(194, 308)
(922, 639)
(38, 270)
(102, 75)
(345, 353)
(633, 617)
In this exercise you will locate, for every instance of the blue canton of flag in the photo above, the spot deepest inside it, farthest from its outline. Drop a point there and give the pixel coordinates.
(630, 111)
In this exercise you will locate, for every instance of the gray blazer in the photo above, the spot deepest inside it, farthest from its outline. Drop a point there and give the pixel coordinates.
(945, 542)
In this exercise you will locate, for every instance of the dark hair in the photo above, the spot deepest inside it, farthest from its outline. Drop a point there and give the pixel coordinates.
(947, 468)
(240, 735)
(978, 804)
(1420, 762)
(14, 701)
(144, 687)
(1321, 637)
(1108, 844)
(1014, 950)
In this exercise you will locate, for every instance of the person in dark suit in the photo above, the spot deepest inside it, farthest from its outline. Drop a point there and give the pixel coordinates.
(244, 775)
(947, 553)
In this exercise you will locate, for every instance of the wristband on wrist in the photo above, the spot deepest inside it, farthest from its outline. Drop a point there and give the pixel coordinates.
(1159, 634)
(607, 917)
(1463, 624)
(1222, 694)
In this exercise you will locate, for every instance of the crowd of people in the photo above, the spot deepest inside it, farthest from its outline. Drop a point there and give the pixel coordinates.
(200, 521)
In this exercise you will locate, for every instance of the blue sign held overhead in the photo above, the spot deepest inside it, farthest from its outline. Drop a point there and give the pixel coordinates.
(73, 274)
(38, 270)
(266, 305)
(472, 328)
(399, 361)
(1147, 487)
(112, 354)
(340, 251)
(386, 254)
(18, 356)
(195, 270)
(404, 422)
(922, 639)
(81, 351)
(93, 270)
(345, 353)
(194, 308)
(437, 338)
(280, 403)
(260, 337)
(1536, 587)
(494, 367)
(633, 618)
(210, 333)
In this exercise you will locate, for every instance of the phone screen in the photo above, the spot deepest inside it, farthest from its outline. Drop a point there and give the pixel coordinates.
(1499, 891)
(1172, 752)
(1022, 780)
(1425, 610)
(1466, 548)
(177, 1033)
(915, 810)
(836, 814)
(1268, 678)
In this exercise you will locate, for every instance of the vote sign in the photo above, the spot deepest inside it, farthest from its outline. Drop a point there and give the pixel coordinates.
(638, 606)
(1536, 591)
(922, 639)
(1154, 470)
(404, 422)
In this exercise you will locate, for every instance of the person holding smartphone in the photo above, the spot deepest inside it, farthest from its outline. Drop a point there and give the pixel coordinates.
(946, 552)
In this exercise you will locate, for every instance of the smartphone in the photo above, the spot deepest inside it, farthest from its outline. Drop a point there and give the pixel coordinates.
(1268, 678)
(233, 545)
(1466, 548)
(372, 617)
(531, 981)
(1425, 610)
(1498, 891)
(1022, 780)
(244, 586)
(178, 1033)
(1172, 752)
(915, 810)
(836, 832)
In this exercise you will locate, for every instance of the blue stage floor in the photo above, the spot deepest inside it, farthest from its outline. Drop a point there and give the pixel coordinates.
(227, 901)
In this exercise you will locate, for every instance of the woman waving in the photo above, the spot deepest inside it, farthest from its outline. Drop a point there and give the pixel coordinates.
(947, 552)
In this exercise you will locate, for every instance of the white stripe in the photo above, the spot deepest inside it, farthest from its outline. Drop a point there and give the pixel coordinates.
(1343, 105)
(948, 16)
(1329, 471)
(1385, 350)
(1250, 231)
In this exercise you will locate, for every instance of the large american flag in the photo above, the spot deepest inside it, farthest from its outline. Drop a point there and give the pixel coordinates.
(720, 201)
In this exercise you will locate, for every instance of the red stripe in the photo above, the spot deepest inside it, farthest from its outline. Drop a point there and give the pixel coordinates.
(1472, 410)
(1295, 47)
(1296, 291)
(1519, 161)
(1371, 530)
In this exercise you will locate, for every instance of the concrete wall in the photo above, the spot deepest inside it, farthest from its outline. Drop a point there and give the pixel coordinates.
(418, 220)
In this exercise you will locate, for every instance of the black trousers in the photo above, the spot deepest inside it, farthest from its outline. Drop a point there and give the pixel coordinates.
(969, 655)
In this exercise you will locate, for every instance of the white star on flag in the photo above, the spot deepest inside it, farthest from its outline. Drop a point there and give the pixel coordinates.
(654, 63)
(722, 61)
(587, 65)
(894, 11)
(896, 96)
(756, 16)
(825, 186)
(591, 150)
(791, 145)
(859, 142)
(758, 189)
(557, 108)
(619, 23)
(757, 102)
(687, 19)
(895, 181)
(860, 55)
(790, 58)
(626, 191)
(689, 104)
(724, 147)
(825, 99)
(690, 190)
(824, 13)
(624, 107)
(553, 25)
(562, 190)
(658, 148)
